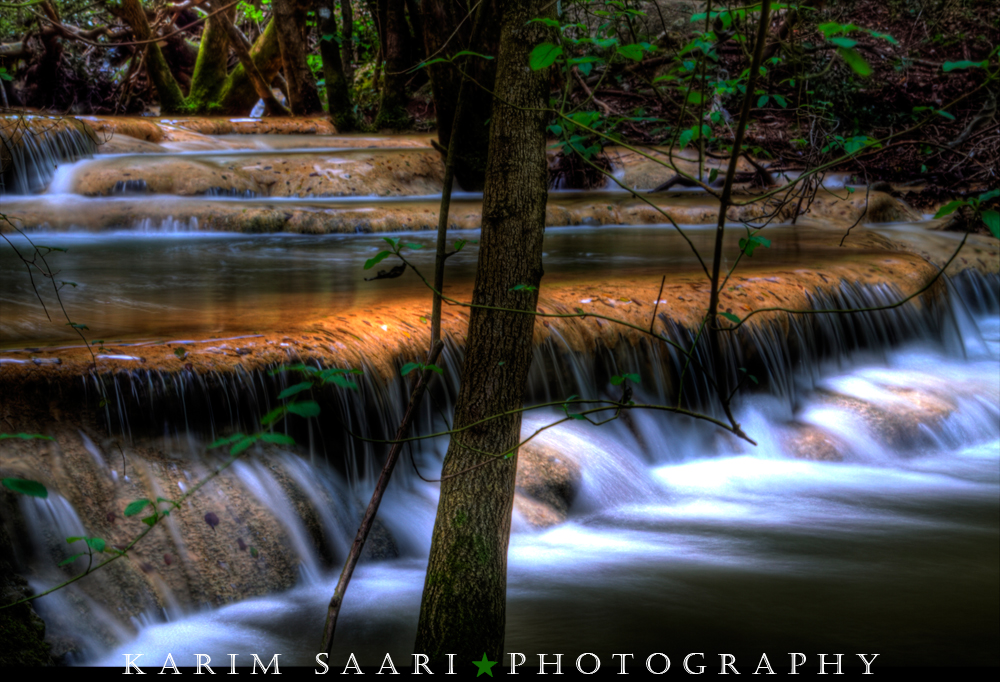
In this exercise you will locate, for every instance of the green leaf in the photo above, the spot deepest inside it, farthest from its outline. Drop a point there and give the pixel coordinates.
(986, 196)
(180, 352)
(523, 287)
(855, 61)
(372, 262)
(762, 100)
(218, 443)
(135, 507)
(292, 390)
(74, 325)
(343, 382)
(731, 317)
(846, 43)
(151, 520)
(633, 52)
(26, 486)
(269, 418)
(548, 22)
(434, 368)
(309, 408)
(992, 220)
(75, 538)
(96, 544)
(543, 56)
(964, 64)
(712, 175)
(71, 559)
(409, 367)
(414, 246)
(950, 208)
(242, 445)
(782, 102)
(254, 552)
(25, 436)
(277, 439)
(694, 98)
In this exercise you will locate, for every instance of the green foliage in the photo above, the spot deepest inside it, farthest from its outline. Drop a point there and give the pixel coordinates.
(419, 366)
(978, 205)
(752, 241)
(26, 487)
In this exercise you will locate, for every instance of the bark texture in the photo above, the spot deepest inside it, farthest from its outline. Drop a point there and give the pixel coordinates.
(441, 19)
(169, 92)
(394, 35)
(290, 20)
(463, 610)
(213, 54)
(238, 95)
(338, 98)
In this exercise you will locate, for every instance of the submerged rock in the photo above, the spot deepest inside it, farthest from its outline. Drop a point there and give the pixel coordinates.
(547, 482)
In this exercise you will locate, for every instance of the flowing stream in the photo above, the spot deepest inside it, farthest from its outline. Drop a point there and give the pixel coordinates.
(678, 540)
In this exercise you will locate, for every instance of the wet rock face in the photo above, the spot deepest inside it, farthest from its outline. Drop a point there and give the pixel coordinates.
(813, 444)
(222, 545)
(22, 631)
(178, 176)
(547, 483)
(904, 423)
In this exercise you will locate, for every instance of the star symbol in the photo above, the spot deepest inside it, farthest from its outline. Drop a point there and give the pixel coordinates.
(484, 666)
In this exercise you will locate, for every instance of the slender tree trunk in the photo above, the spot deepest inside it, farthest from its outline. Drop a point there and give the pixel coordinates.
(395, 35)
(463, 610)
(213, 54)
(171, 97)
(239, 95)
(303, 97)
(338, 98)
(347, 40)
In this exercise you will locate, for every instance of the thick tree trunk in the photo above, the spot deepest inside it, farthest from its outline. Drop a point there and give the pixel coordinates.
(261, 87)
(290, 18)
(337, 96)
(441, 18)
(394, 37)
(239, 95)
(213, 54)
(169, 92)
(463, 610)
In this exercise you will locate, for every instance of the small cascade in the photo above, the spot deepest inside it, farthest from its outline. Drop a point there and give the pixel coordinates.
(32, 147)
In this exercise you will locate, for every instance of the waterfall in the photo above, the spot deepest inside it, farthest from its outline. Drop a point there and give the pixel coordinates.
(32, 147)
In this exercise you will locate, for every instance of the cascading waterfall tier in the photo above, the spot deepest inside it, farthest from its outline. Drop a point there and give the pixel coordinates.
(32, 147)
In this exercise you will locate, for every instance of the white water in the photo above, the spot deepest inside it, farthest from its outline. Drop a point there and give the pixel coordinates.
(717, 547)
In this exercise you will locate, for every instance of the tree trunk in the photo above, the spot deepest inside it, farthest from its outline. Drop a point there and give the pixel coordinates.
(441, 19)
(238, 95)
(290, 17)
(347, 41)
(337, 96)
(171, 97)
(213, 54)
(394, 37)
(463, 610)
(271, 104)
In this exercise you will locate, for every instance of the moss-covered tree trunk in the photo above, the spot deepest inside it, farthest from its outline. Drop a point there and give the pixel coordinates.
(338, 97)
(210, 71)
(238, 95)
(463, 610)
(394, 33)
(167, 89)
(440, 20)
(290, 20)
